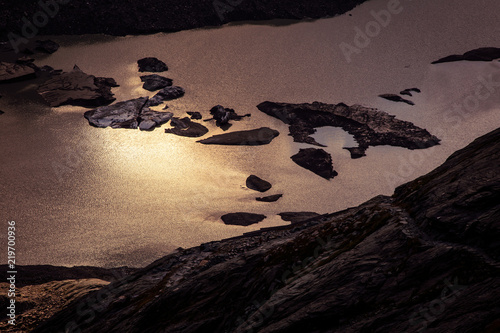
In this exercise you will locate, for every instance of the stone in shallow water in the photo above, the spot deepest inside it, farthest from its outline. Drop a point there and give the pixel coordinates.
(243, 219)
(317, 161)
(149, 119)
(186, 127)
(223, 115)
(151, 64)
(396, 98)
(195, 115)
(166, 94)
(256, 137)
(10, 72)
(295, 217)
(46, 46)
(119, 115)
(258, 184)
(270, 198)
(155, 82)
(77, 88)
(480, 54)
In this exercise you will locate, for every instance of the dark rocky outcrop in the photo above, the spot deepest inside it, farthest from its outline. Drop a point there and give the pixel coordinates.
(186, 127)
(155, 82)
(195, 115)
(151, 64)
(256, 137)
(295, 217)
(11, 72)
(480, 54)
(258, 184)
(317, 161)
(370, 127)
(118, 17)
(46, 46)
(166, 94)
(77, 88)
(223, 115)
(425, 258)
(270, 198)
(243, 219)
(396, 98)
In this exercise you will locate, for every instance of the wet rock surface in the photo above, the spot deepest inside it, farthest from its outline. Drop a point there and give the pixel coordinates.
(149, 119)
(396, 98)
(166, 94)
(256, 137)
(151, 64)
(317, 161)
(77, 88)
(186, 127)
(370, 127)
(155, 82)
(258, 184)
(11, 72)
(243, 219)
(480, 54)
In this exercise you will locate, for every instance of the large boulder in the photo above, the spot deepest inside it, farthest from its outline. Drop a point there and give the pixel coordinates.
(119, 115)
(480, 54)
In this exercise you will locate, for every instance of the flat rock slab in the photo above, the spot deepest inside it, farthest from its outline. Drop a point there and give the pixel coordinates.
(155, 82)
(77, 88)
(317, 161)
(151, 64)
(296, 217)
(369, 126)
(258, 184)
(119, 115)
(166, 94)
(396, 98)
(186, 127)
(256, 137)
(270, 198)
(243, 219)
(480, 54)
(11, 72)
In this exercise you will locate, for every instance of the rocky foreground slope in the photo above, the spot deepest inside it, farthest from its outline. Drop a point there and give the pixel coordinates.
(425, 259)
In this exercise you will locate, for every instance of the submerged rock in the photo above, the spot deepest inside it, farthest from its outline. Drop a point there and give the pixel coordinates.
(258, 184)
(223, 115)
(166, 94)
(396, 98)
(11, 72)
(256, 137)
(480, 54)
(317, 161)
(243, 219)
(151, 64)
(77, 88)
(270, 198)
(155, 82)
(186, 127)
(46, 46)
(296, 217)
(119, 115)
(370, 127)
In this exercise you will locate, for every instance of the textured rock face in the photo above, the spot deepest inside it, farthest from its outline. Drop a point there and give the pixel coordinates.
(243, 219)
(10, 72)
(480, 54)
(316, 160)
(370, 127)
(256, 137)
(258, 184)
(155, 82)
(166, 94)
(77, 88)
(186, 127)
(151, 64)
(223, 115)
(388, 265)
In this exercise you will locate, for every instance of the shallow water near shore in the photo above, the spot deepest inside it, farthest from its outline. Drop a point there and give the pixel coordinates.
(87, 196)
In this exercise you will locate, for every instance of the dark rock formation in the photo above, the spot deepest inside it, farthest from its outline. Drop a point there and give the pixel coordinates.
(256, 137)
(243, 219)
(480, 54)
(166, 94)
(128, 114)
(25, 60)
(393, 264)
(155, 82)
(46, 46)
(317, 161)
(408, 92)
(77, 88)
(270, 198)
(396, 98)
(11, 72)
(258, 184)
(116, 17)
(370, 127)
(151, 64)
(296, 217)
(1, 112)
(195, 115)
(223, 115)
(186, 127)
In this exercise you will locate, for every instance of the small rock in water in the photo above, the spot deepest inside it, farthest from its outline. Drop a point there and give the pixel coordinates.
(151, 64)
(195, 115)
(295, 217)
(396, 98)
(46, 46)
(243, 219)
(270, 198)
(186, 127)
(223, 115)
(155, 82)
(149, 119)
(258, 184)
(119, 115)
(317, 161)
(166, 94)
